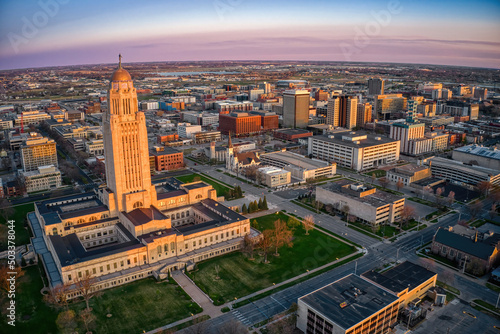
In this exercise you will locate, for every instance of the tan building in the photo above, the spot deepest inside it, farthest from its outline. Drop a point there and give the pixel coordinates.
(38, 151)
(350, 305)
(439, 140)
(386, 104)
(128, 229)
(301, 168)
(367, 204)
(94, 147)
(342, 111)
(408, 174)
(364, 114)
(44, 178)
(273, 177)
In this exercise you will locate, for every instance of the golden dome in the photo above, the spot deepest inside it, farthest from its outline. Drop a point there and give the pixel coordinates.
(121, 74)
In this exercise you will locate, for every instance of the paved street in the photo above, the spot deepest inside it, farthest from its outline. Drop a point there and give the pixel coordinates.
(378, 254)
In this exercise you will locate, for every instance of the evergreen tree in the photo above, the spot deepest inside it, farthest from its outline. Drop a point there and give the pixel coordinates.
(259, 205)
(244, 209)
(264, 204)
(255, 206)
(250, 207)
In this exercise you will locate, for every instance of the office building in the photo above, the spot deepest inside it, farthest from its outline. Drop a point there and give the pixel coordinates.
(302, 168)
(43, 178)
(227, 106)
(408, 173)
(94, 147)
(385, 105)
(167, 158)
(366, 203)
(342, 111)
(269, 120)
(355, 150)
(206, 136)
(375, 86)
(253, 94)
(350, 305)
(239, 123)
(296, 108)
(38, 151)
(273, 177)
(186, 130)
(364, 114)
(291, 134)
(407, 132)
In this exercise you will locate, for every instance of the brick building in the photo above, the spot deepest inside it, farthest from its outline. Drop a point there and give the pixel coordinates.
(239, 123)
(167, 158)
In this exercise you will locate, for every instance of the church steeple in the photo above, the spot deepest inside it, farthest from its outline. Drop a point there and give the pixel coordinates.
(230, 143)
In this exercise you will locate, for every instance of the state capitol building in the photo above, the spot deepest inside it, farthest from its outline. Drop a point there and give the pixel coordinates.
(129, 229)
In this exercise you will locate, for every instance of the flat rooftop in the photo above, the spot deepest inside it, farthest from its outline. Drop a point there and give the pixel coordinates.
(340, 139)
(404, 275)
(362, 299)
(292, 132)
(294, 159)
(485, 152)
(460, 166)
(377, 199)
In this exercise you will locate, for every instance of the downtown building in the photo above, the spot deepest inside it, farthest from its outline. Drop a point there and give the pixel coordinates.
(38, 151)
(355, 150)
(128, 229)
(342, 111)
(296, 108)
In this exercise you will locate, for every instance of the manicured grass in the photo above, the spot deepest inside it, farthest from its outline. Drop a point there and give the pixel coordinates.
(22, 234)
(382, 231)
(239, 276)
(442, 259)
(365, 232)
(305, 206)
(493, 287)
(411, 224)
(486, 305)
(138, 306)
(448, 287)
(378, 173)
(221, 189)
(32, 314)
(144, 304)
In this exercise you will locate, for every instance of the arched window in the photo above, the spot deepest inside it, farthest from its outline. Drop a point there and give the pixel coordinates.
(178, 215)
(137, 205)
(80, 221)
(104, 216)
(187, 213)
(158, 249)
(165, 248)
(172, 246)
(182, 215)
(199, 196)
(54, 231)
(91, 219)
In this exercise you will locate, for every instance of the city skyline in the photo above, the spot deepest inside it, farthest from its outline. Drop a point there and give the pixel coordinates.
(53, 33)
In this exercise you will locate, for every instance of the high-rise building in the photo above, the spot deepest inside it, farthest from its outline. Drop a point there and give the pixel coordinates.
(375, 86)
(321, 95)
(296, 108)
(407, 133)
(384, 105)
(38, 151)
(342, 111)
(364, 114)
(239, 123)
(125, 148)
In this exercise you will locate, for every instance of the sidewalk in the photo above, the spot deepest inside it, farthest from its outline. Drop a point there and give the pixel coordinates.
(196, 294)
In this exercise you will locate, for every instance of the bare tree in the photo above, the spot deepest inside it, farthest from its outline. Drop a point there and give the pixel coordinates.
(66, 321)
(484, 187)
(87, 318)
(248, 246)
(428, 264)
(308, 222)
(6, 273)
(345, 210)
(266, 243)
(407, 214)
(200, 326)
(494, 195)
(282, 235)
(475, 209)
(86, 286)
(383, 182)
(451, 197)
(329, 208)
(447, 277)
(399, 185)
(6, 209)
(493, 211)
(374, 177)
(58, 296)
(282, 324)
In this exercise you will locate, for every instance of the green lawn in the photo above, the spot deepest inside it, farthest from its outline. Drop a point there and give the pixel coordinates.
(32, 314)
(378, 173)
(240, 276)
(22, 234)
(221, 189)
(138, 306)
(382, 231)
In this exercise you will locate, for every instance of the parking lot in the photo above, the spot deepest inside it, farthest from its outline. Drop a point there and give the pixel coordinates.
(457, 317)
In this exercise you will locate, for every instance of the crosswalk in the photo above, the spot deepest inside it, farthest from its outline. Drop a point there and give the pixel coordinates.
(241, 318)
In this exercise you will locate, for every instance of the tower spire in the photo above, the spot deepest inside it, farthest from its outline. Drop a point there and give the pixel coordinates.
(230, 143)
(120, 60)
